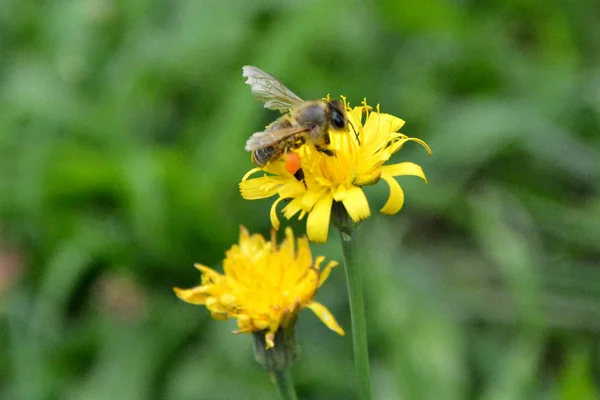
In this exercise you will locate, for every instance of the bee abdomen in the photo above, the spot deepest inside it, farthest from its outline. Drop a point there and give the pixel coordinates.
(262, 156)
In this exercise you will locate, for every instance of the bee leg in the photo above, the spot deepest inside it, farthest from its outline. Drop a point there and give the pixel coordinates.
(327, 141)
(299, 175)
(298, 143)
(329, 152)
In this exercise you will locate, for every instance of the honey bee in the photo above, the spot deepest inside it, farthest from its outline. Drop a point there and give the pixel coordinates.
(304, 122)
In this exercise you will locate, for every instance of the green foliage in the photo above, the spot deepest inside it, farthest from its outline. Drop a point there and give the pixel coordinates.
(122, 129)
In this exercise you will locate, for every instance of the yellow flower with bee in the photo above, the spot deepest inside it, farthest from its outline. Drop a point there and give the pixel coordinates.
(358, 161)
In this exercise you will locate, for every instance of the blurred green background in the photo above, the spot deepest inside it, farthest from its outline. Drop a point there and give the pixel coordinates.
(122, 125)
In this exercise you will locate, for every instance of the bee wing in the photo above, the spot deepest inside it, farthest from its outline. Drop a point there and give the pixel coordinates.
(269, 137)
(269, 90)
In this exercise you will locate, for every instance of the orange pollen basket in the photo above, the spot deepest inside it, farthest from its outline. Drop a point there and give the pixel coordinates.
(292, 162)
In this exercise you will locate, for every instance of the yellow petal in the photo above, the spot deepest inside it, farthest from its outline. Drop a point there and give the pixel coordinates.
(291, 189)
(288, 244)
(307, 286)
(396, 199)
(397, 144)
(261, 324)
(325, 316)
(369, 178)
(249, 244)
(393, 123)
(206, 270)
(385, 121)
(380, 125)
(317, 224)
(277, 168)
(311, 197)
(210, 276)
(404, 168)
(253, 170)
(325, 273)
(356, 204)
(270, 340)
(401, 139)
(244, 323)
(303, 253)
(355, 116)
(219, 316)
(422, 143)
(273, 214)
(227, 299)
(292, 208)
(195, 295)
(355, 122)
(259, 188)
(340, 193)
(318, 261)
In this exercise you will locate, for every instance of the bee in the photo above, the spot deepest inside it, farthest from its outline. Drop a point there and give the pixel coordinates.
(304, 122)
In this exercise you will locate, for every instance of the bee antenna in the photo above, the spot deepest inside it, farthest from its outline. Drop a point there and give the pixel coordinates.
(355, 132)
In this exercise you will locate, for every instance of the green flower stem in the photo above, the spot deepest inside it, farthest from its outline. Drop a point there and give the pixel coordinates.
(285, 385)
(278, 359)
(356, 297)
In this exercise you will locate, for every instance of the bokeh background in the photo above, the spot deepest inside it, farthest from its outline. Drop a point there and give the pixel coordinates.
(122, 125)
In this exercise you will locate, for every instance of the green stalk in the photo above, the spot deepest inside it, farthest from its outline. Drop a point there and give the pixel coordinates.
(279, 359)
(285, 385)
(356, 298)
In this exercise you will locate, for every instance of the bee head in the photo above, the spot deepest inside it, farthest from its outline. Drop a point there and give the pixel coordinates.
(339, 121)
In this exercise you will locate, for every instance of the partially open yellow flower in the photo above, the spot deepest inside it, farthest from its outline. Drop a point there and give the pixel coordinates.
(359, 161)
(264, 286)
